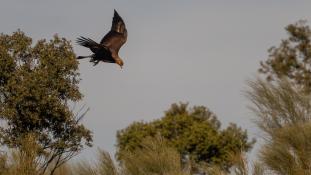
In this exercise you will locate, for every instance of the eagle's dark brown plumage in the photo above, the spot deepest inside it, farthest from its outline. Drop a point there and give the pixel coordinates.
(108, 48)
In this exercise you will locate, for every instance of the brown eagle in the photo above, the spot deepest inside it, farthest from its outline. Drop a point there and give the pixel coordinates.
(108, 48)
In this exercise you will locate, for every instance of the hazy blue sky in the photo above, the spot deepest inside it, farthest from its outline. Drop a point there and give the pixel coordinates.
(197, 51)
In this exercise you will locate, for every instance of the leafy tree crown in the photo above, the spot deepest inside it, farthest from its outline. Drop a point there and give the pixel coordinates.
(195, 133)
(38, 82)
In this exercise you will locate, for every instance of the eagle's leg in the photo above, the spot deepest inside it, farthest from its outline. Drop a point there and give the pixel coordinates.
(92, 58)
(95, 62)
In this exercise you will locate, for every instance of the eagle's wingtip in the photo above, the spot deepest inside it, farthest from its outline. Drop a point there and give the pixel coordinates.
(115, 12)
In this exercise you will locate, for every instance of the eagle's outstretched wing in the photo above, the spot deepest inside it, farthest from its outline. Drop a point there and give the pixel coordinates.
(117, 35)
(118, 23)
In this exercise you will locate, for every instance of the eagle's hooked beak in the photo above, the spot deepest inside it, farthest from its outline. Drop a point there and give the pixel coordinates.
(120, 63)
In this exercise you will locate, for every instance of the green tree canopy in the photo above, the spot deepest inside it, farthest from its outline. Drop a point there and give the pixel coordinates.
(193, 132)
(37, 83)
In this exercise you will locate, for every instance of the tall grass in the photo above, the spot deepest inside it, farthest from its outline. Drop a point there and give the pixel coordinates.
(155, 157)
(283, 113)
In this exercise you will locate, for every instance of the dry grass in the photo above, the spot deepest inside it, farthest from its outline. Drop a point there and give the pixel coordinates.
(155, 157)
(283, 113)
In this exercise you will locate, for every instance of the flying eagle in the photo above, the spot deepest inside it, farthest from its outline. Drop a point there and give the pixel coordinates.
(108, 48)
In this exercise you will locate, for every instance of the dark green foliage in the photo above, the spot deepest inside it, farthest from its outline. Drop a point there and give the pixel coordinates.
(37, 82)
(292, 58)
(193, 132)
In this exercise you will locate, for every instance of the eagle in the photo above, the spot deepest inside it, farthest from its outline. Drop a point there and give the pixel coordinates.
(108, 48)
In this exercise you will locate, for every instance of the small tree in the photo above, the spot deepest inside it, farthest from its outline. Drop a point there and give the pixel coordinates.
(194, 132)
(37, 83)
(292, 58)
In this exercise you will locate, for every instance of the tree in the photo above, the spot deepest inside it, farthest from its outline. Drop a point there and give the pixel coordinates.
(292, 58)
(194, 132)
(37, 84)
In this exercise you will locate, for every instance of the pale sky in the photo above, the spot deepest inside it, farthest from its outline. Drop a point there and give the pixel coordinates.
(199, 51)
